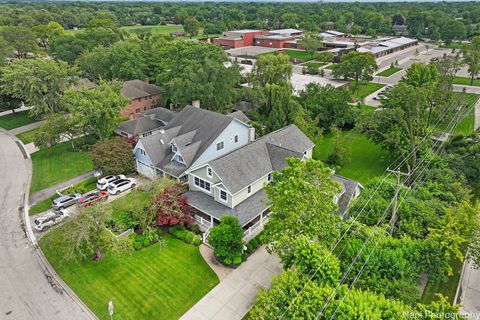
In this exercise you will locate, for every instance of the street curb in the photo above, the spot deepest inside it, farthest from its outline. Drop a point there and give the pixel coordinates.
(52, 277)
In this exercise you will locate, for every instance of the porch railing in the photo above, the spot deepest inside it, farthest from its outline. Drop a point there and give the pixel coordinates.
(254, 229)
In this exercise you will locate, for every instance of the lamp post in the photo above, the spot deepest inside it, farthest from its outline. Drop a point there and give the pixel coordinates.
(110, 309)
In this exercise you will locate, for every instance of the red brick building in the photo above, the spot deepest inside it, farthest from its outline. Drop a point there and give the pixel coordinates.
(144, 96)
(238, 38)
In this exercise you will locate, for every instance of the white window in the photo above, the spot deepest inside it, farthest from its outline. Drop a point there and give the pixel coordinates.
(142, 152)
(235, 139)
(223, 195)
(209, 172)
(269, 177)
(220, 145)
(249, 189)
(146, 134)
(202, 184)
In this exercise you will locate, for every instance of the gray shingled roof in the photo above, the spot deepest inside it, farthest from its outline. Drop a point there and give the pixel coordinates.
(349, 186)
(244, 211)
(140, 125)
(139, 89)
(245, 165)
(200, 127)
(240, 116)
(161, 114)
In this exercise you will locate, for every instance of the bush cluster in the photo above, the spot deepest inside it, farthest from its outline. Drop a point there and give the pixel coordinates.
(183, 234)
(253, 244)
(141, 241)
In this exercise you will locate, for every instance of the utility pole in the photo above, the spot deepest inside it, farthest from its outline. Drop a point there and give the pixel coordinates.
(398, 185)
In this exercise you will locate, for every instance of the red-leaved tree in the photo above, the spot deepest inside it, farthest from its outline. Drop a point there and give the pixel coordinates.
(171, 207)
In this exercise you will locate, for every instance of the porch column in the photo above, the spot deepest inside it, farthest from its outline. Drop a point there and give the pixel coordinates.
(261, 218)
(211, 221)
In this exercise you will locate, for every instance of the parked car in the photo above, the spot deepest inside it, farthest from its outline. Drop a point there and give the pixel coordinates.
(121, 185)
(48, 220)
(91, 198)
(65, 201)
(103, 183)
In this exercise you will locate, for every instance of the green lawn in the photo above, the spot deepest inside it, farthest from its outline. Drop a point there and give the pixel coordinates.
(330, 66)
(466, 81)
(81, 187)
(388, 72)
(12, 121)
(162, 281)
(364, 89)
(466, 125)
(448, 288)
(57, 164)
(154, 29)
(367, 160)
(27, 137)
(298, 54)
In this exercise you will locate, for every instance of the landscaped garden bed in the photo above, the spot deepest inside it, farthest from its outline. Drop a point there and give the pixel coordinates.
(388, 72)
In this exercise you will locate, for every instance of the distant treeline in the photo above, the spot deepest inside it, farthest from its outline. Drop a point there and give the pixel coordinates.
(438, 21)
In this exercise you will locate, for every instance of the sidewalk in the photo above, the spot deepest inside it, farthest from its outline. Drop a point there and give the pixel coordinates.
(470, 295)
(26, 128)
(232, 298)
(221, 270)
(47, 193)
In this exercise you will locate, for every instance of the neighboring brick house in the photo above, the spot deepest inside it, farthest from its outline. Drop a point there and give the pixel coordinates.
(144, 96)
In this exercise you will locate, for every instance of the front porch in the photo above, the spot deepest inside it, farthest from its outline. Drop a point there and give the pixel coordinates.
(252, 213)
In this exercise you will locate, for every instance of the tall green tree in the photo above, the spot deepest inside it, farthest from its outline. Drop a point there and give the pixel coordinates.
(6, 50)
(191, 26)
(358, 66)
(39, 82)
(113, 156)
(329, 106)
(9, 103)
(56, 127)
(311, 42)
(279, 106)
(401, 126)
(471, 57)
(96, 110)
(22, 39)
(302, 203)
(272, 69)
(48, 33)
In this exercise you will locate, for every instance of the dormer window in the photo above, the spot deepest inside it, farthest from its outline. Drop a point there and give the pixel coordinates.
(209, 172)
(174, 148)
(220, 145)
(235, 138)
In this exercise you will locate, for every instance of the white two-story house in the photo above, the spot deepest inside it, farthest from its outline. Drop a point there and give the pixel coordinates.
(191, 138)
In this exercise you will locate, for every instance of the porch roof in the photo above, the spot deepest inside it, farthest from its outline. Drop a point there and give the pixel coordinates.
(245, 211)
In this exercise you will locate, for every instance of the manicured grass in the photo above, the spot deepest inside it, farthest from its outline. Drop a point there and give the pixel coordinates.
(154, 29)
(364, 89)
(465, 126)
(367, 160)
(162, 281)
(12, 121)
(330, 66)
(298, 54)
(388, 72)
(57, 164)
(81, 187)
(27, 137)
(448, 288)
(466, 81)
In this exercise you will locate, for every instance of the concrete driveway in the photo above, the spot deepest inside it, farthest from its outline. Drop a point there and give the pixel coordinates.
(27, 290)
(232, 297)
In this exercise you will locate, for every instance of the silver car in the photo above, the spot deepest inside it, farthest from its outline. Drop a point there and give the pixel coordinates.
(65, 201)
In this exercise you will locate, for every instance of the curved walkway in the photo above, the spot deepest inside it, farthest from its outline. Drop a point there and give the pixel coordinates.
(27, 288)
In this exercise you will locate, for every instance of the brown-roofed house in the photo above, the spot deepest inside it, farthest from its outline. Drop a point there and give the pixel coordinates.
(144, 96)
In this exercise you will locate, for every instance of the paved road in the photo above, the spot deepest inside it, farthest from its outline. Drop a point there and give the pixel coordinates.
(25, 292)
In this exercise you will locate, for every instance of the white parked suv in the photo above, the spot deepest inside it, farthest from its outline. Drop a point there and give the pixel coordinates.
(121, 185)
(48, 220)
(103, 183)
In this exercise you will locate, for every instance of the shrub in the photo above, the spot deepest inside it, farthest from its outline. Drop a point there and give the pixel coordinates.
(195, 228)
(171, 208)
(113, 156)
(141, 241)
(183, 234)
(226, 240)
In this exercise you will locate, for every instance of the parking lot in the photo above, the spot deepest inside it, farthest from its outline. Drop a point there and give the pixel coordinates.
(74, 209)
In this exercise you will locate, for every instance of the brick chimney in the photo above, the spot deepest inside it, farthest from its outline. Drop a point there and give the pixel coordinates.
(196, 104)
